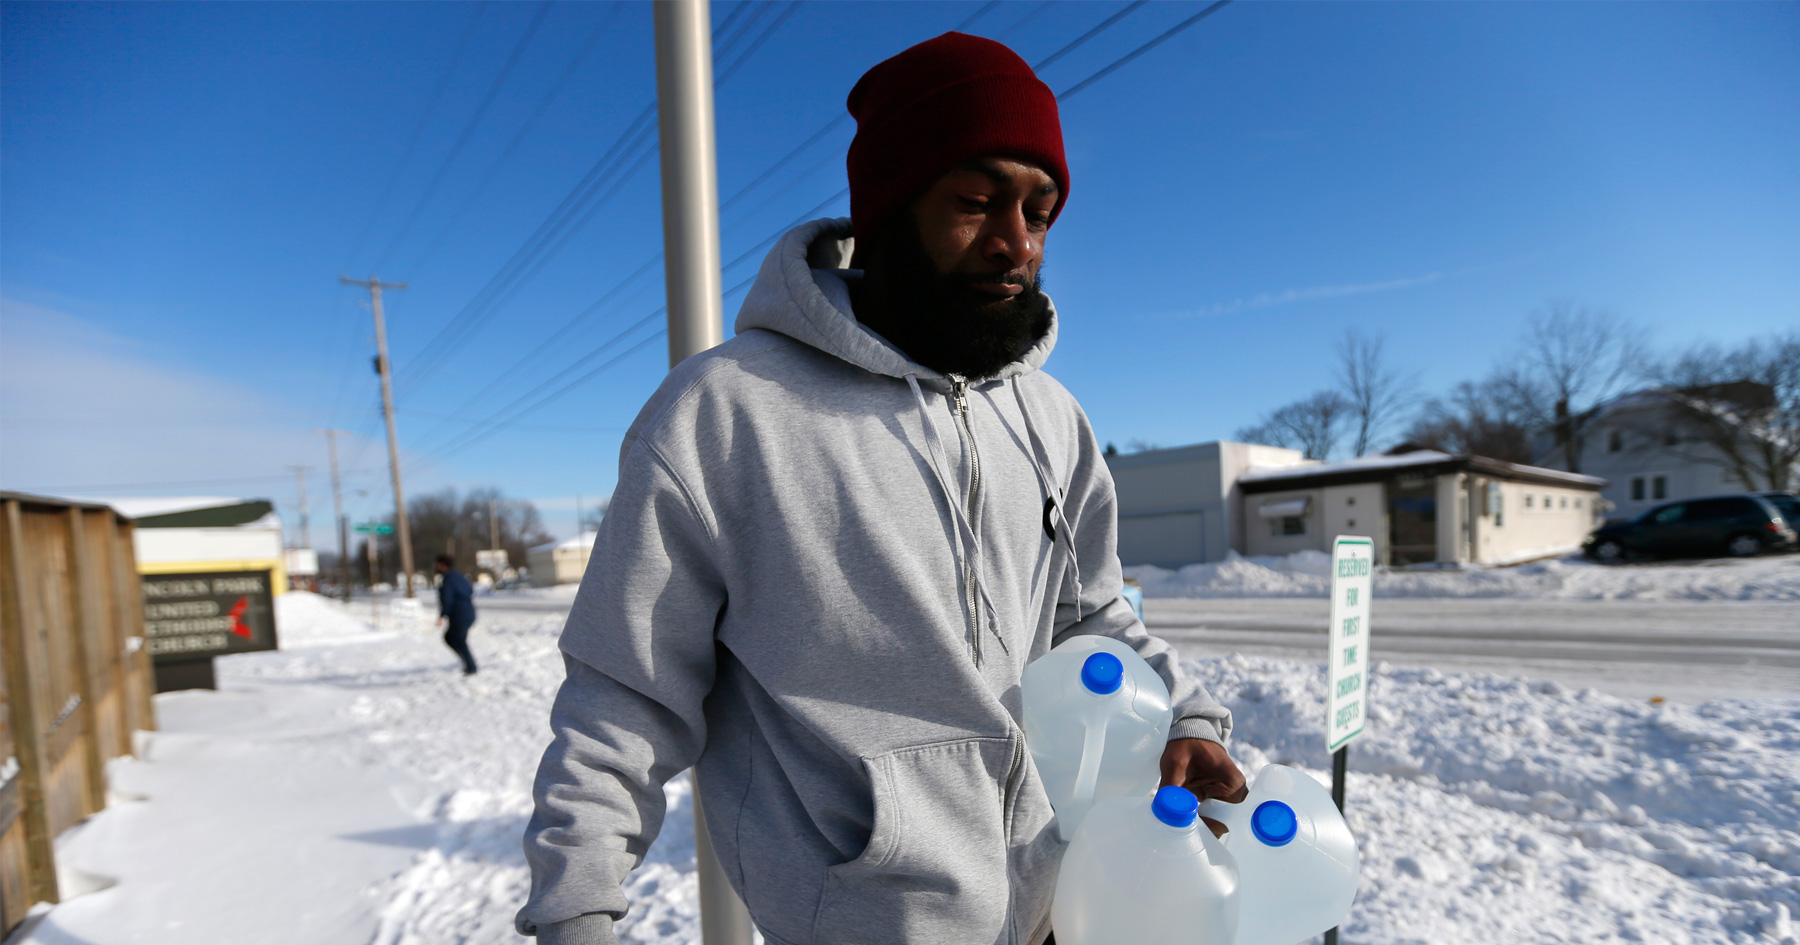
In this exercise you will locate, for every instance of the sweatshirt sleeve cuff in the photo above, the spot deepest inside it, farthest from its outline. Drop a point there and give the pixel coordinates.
(1196, 727)
(595, 928)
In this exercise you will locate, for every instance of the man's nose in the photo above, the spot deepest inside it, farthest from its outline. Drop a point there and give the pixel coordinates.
(1008, 241)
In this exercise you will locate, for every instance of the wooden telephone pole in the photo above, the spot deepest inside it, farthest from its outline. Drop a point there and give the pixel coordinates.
(404, 532)
(337, 507)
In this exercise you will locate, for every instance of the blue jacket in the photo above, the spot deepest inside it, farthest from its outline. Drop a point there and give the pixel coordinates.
(456, 599)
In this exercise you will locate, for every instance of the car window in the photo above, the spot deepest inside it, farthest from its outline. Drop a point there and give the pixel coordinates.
(1720, 508)
(1787, 505)
(1667, 515)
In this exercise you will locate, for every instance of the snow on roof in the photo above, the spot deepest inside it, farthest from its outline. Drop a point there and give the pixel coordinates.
(584, 540)
(1313, 467)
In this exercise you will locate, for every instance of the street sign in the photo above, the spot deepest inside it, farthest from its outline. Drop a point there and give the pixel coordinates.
(492, 559)
(378, 528)
(1347, 672)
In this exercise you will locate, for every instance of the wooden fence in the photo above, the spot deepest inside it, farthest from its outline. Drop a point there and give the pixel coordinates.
(76, 678)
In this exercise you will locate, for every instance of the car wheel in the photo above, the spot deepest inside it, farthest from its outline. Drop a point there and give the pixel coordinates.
(1743, 546)
(1609, 552)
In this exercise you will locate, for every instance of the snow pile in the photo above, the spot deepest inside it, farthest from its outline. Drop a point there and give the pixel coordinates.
(305, 619)
(1307, 574)
(1488, 808)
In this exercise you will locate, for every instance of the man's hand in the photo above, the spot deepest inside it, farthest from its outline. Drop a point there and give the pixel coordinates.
(444, 620)
(1204, 768)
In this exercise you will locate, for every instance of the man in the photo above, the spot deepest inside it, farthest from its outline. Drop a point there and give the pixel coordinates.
(836, 542)
(456, 610)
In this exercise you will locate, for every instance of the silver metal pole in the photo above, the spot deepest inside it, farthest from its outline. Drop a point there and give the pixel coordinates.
(690, 188)
(690, 179)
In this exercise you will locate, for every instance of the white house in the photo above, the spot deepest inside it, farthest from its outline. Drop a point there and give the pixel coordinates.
(1196, 503)
(561, 562)
(1650, 451)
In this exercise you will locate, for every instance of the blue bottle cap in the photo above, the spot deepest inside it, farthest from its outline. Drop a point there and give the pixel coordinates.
(1175, 806)
(1102, 673)
(1274, 823)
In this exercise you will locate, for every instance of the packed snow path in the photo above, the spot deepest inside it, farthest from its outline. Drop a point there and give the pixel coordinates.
(354, 788)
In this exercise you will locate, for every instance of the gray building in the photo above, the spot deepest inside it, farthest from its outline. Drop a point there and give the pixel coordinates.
(1179, 506)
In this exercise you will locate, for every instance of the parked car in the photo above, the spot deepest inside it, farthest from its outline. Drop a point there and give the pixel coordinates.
(1738, 525)
(1787, 503)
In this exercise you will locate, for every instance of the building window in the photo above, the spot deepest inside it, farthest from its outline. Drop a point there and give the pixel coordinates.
(1637, 488)
(1615, 441)
(1565, 502)
(1659, 487)
(1528, 500)
(1578, 503)
(1287, 525)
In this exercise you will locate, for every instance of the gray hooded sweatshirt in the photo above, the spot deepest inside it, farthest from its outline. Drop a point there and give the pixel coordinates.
(822, 573)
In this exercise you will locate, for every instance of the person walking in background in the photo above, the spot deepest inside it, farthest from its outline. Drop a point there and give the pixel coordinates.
(456, 610)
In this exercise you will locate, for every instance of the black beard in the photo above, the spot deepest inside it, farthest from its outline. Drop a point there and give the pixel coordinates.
(940, 319)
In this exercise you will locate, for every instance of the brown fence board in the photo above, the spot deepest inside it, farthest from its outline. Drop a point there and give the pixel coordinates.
(75, 679)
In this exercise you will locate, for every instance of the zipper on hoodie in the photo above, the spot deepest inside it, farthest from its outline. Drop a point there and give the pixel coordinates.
(959, 394)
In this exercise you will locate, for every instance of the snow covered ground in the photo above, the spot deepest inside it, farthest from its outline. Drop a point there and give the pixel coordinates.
(354, 788)
(1307, 574)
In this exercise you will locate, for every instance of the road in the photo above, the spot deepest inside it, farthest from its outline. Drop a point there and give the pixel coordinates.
(1682, 650)
(1687, 651)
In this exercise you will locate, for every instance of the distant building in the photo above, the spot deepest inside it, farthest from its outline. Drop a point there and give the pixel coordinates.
(207, 533)
(561, 562)
(1194, 504)
(1181, 506)
(1655, 446)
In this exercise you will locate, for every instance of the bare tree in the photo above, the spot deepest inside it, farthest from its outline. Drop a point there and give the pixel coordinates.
(457, 524)
(1375, 391)
(1737, 409)
(1572, 361)
(1474, 418)
(1312, 424)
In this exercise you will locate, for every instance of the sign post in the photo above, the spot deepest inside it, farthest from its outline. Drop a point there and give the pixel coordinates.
(1347, 657)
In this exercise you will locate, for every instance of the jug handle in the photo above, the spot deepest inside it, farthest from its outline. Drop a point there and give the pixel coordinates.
(1231, 815)
(1087, 777)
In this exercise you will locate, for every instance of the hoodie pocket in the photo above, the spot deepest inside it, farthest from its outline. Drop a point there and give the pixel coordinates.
(935, 869)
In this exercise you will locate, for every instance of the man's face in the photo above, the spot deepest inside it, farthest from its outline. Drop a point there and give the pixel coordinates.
(987, 220)
(960, 268)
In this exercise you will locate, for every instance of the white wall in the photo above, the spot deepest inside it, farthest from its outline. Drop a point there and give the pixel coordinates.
(1555, 521)
(1359, 509)
(1261, 535)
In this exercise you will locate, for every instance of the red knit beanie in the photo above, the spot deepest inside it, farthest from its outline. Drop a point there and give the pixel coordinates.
(939, 104)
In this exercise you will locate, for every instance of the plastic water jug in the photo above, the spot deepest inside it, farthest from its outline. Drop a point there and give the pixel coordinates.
(1295, 856)
(1145, 871)
(1096, 720)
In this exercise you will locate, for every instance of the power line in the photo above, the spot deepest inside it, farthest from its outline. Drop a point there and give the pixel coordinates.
(769, 31)
(533, 256)
(1078, 41)
(519, 137)
(437, 93)
(508, 415)
(462, 140)
(1120, 62)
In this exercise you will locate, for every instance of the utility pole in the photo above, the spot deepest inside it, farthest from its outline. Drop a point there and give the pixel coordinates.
(493, 527)
(690, 192)
(305, 528)
(337, 508)
(382, 365)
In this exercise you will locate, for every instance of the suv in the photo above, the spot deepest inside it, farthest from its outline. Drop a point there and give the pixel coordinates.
(1738, 525)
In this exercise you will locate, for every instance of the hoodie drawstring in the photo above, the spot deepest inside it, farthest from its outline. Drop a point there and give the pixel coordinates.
(968, 547)
(1051, 490)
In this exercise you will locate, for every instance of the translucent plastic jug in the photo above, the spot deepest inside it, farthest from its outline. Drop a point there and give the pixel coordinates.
(1096, 720)
(1295, 856)
(1145, 871)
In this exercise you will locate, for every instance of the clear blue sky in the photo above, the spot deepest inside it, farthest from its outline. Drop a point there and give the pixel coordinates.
(182, 184)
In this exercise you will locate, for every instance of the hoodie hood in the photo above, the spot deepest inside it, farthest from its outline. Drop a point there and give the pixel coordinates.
(802, 292)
